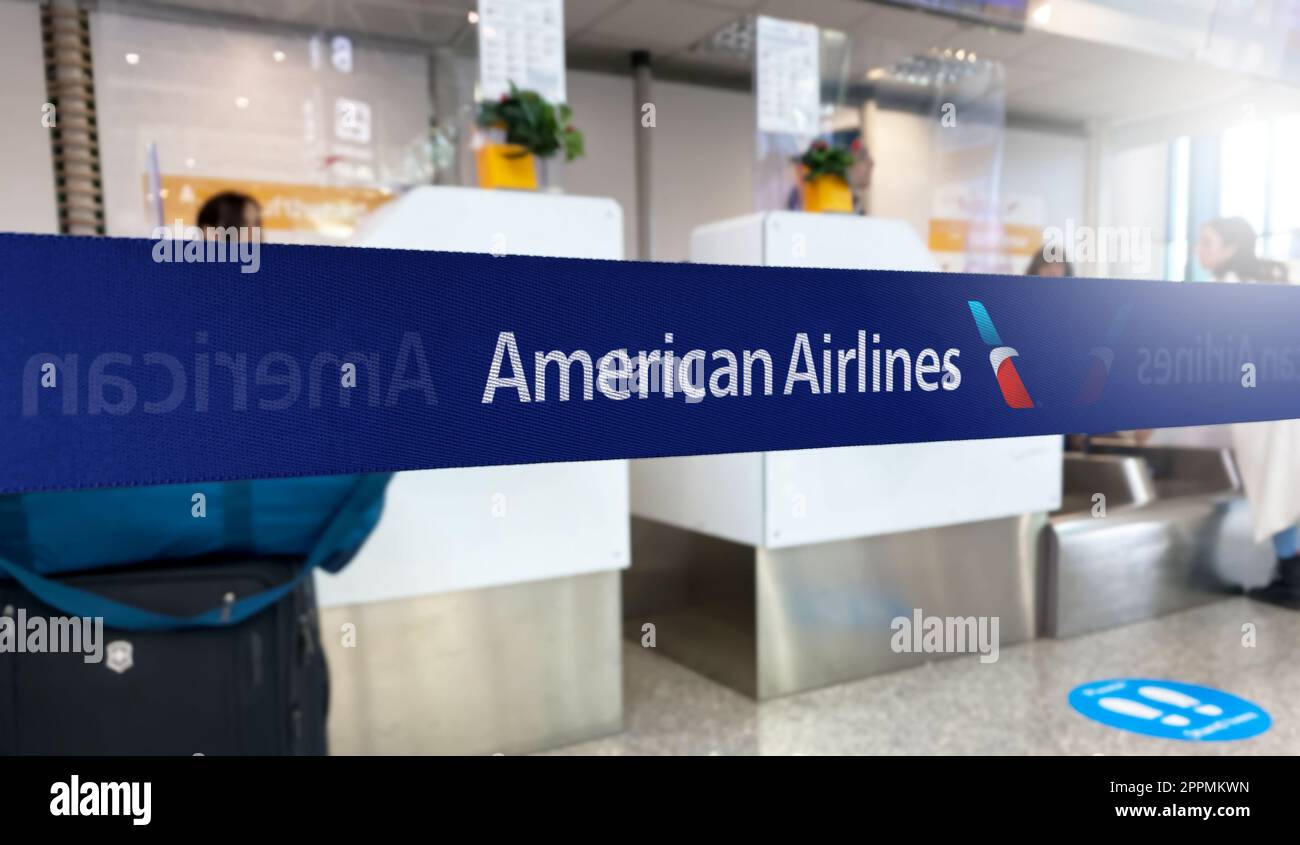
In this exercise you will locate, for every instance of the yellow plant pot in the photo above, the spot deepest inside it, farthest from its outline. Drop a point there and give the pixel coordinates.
(825, 193)
(506, 166)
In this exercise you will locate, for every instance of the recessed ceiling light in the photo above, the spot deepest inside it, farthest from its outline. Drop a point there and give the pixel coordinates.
(1043, 14)
(278, 55)
(241, 102)
(189, 162)
(133, 58)
(473, 16)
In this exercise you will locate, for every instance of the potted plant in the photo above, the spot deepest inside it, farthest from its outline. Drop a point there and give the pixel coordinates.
(530, 129)
(824, 177)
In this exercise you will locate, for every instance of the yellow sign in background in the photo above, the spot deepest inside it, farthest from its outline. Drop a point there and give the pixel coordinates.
(948, 235)
(286, 206)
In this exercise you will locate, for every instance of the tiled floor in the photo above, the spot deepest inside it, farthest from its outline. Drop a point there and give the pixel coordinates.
(960, 706)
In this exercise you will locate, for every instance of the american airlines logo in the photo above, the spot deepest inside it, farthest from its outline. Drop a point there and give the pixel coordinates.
(1002, 357)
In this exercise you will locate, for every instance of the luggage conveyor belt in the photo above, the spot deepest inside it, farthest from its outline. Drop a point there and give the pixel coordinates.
(1144, 531)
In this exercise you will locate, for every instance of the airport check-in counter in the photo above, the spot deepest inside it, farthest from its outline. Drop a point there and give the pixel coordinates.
(782, 571)
(485, 619)
(1143, 531)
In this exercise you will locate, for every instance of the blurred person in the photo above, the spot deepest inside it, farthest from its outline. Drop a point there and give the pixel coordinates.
(1226, 249)
(1041, 265)
(1268, 453)
(229, 209)
(231, 224)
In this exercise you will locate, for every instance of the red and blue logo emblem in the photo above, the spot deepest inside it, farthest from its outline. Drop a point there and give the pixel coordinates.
(1002, 357)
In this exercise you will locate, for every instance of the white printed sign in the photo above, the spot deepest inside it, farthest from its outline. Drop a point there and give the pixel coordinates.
(521, 41)
(352, 120)
(787, 77)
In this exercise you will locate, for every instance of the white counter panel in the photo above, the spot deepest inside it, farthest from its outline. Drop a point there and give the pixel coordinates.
(821, 495)
(720, 495)
(818, 495)
(461, 529)
(497, 222)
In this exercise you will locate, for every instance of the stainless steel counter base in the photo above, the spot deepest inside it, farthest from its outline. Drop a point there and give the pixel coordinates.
(770, 622)
(1175, 533)
(511, 669)
(1139, 563)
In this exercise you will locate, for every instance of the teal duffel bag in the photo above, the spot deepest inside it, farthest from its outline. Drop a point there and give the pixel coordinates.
(322, 519)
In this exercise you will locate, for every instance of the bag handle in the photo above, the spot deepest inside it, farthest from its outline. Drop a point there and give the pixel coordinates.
(78, 602)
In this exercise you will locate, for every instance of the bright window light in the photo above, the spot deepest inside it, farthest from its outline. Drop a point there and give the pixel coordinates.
(1243, 169)
(1285, 219)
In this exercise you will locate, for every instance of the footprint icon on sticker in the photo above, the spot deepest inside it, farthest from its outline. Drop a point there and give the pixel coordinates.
(1170, 709)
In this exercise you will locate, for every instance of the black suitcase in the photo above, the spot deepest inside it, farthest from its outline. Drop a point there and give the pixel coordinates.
(257, 687)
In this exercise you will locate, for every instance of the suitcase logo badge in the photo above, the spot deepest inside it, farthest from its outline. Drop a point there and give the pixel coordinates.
(118, 656)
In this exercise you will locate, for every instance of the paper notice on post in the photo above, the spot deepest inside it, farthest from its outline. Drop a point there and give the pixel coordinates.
(787, 77)
(521, 41)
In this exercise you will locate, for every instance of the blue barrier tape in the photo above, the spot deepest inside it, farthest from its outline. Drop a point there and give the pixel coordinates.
(119, 370)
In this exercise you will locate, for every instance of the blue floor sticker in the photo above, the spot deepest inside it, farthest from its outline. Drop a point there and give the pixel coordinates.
(1170, 709)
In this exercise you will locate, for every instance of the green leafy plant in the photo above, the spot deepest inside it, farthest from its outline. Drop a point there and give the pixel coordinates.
(822, 159)
(529, 120)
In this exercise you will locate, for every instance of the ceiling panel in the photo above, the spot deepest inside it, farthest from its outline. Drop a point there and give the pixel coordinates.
(670, 24)
(830, 14)
(1049, 74)
(430, 24)
(580, 14)
(457, 5)
(430, 21)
